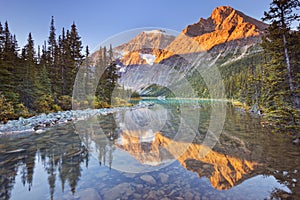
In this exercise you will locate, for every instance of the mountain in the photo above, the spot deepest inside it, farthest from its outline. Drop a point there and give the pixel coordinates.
(157, 58)
(225, 26)
(144, 47)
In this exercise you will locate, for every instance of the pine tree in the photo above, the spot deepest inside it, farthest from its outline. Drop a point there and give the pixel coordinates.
(30, 73)
(52, 57)
(52, 41)
(108, 80)
(281, 98)
(74, 58)
(9, 60)
(281, 15)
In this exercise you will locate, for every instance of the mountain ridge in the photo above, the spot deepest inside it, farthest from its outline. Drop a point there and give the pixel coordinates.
(224, 25)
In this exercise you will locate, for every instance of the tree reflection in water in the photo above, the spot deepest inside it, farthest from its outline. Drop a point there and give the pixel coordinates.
(60, 150)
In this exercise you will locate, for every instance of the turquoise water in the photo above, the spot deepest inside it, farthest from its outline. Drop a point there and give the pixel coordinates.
(152, 153)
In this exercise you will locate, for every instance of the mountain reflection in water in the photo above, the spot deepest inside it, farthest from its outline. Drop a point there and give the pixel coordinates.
(94, 157)
(224, 171)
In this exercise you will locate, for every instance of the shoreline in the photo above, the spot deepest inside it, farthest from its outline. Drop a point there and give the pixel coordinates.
(42, 122)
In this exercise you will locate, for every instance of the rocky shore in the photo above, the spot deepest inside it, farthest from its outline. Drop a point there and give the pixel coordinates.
(41, 122)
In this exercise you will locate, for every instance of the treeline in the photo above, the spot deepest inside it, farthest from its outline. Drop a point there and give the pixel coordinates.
(34, 81)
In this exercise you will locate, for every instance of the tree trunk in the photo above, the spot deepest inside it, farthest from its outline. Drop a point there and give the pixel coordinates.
(288, 66)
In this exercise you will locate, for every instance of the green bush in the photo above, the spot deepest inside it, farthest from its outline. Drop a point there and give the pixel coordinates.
(6, 109)
(44, 104)
(21, 111)
(65, 102)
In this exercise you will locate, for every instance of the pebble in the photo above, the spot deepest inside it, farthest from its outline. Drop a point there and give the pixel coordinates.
(148, 179)
(137, 196)
(188, 196)
(152, 196)
(139, 187)
(164, 178)
(172, 192)
(197, 197)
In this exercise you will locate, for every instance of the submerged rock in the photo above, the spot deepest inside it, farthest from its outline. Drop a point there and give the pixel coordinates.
(148, 179)
(164, 178)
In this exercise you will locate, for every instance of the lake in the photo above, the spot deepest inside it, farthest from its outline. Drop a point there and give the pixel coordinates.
(170, 149)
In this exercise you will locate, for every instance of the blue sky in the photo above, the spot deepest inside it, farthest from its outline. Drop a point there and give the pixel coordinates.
(97, 19)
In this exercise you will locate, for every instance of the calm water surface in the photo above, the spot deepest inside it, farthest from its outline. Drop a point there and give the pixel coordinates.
(151, 153)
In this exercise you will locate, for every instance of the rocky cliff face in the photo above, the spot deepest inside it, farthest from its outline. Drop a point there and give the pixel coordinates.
(225, 25)
(224, 18)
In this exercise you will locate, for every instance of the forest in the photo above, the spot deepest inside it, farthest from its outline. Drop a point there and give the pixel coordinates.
(41, 82)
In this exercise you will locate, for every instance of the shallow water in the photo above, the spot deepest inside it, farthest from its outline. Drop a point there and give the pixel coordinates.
(152, 153)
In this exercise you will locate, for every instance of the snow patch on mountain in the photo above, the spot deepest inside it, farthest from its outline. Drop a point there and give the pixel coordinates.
(156, 31)
(149, 58)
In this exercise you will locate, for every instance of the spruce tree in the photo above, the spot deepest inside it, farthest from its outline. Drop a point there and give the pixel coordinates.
(30, 73)
(108, 80)
(73, 57)
(52, 57)
(9, 60)
(281, 15)
(281, 98)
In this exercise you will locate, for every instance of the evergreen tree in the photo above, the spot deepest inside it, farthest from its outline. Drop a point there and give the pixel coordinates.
(281, 15)
(52, 41)
(108, 80)
(9, 60)
(73, 57)
(281, 96)
(52, 57)
(30, 74)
